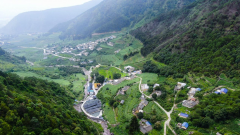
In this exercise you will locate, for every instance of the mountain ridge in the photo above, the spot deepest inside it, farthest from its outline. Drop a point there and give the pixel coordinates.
(42, 21)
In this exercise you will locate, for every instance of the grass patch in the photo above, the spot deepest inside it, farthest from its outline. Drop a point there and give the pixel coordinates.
(148, 78)
(31, 74)
(109, 114)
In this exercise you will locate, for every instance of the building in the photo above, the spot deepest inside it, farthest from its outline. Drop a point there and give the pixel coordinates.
(125, 88)
(190, 103)
(145, 126)
(183, 115)
(97, 85)
(222, 91)
(142, 104)
(129, 68)
(122, 102)
(156, 85)
(92, 106)
(179, 86)
(144, 87)
(198, 89)
(157, 92)
(184, 125)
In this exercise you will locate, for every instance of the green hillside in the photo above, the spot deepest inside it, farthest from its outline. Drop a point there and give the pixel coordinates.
(202, 37)
(34, 106)
(113, 15)
(10, 62)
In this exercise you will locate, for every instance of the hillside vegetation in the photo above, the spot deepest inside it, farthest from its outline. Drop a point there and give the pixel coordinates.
(202, 37)
(34, 106)
(113, 15)
(10, 62)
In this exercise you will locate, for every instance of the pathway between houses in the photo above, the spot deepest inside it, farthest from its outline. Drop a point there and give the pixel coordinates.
(167, 123)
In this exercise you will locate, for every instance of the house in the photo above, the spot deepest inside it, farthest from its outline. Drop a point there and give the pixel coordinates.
(179, 86)
(190, 103)
(224, 91)
(198, 89)
(125, 88)
(122, 101)
(157, 92)
(183, 115)
(218, 133)
(129, 68)
(192, 92)
(144, 87)
(184, 125)
(142, 104)
(142, 97)
(97, 85)
(137, 72)
(145, 126)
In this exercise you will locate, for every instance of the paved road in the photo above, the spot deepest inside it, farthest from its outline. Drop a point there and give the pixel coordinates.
(103, 123)
(87, 73)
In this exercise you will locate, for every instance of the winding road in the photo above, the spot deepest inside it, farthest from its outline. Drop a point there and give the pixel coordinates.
(167, 122)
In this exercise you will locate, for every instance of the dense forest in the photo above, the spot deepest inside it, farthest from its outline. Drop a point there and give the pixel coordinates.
(113, 15)
(202, 38)
(32, 106)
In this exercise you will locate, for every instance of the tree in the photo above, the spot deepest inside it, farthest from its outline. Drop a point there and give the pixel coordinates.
(134, 125)
(111, 102)
(158, 88)
(150, 89)
(140, 115)
(116, 75)
(158, 125)
(115, 105)
(100, 79)
(154, 96)
(56, 132)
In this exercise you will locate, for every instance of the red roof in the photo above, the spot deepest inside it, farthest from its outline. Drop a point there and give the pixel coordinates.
(193, 99)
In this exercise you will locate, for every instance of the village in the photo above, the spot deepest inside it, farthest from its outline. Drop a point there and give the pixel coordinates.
(81, 48)
(92, 106)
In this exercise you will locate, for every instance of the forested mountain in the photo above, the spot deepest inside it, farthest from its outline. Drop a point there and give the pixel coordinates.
(9, 62)
(42, 21)
(32, 106)
(202, 37)
(113, 15)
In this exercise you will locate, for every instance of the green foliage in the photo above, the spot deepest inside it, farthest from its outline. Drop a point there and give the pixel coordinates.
(118, 15)
(208, 44)
(134, 125)
(34, 106)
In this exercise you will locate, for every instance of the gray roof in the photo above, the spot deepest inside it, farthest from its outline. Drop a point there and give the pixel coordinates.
(92, 106)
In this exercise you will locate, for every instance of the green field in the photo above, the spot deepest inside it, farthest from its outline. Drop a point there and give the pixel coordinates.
(31, 74)
(114, 88)
(67, 55)
(108, 114)
(148, 78)
(108, 72)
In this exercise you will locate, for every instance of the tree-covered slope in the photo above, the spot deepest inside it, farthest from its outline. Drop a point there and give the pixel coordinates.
(202, 37)
(9, 62)
(32, 106)
(42, 21)
(113, 15)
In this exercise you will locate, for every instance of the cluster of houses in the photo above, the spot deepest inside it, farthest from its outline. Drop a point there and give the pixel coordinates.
(145, 126)
(131, 70)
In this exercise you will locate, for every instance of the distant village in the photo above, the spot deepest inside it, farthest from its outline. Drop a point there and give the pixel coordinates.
(81, 48)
